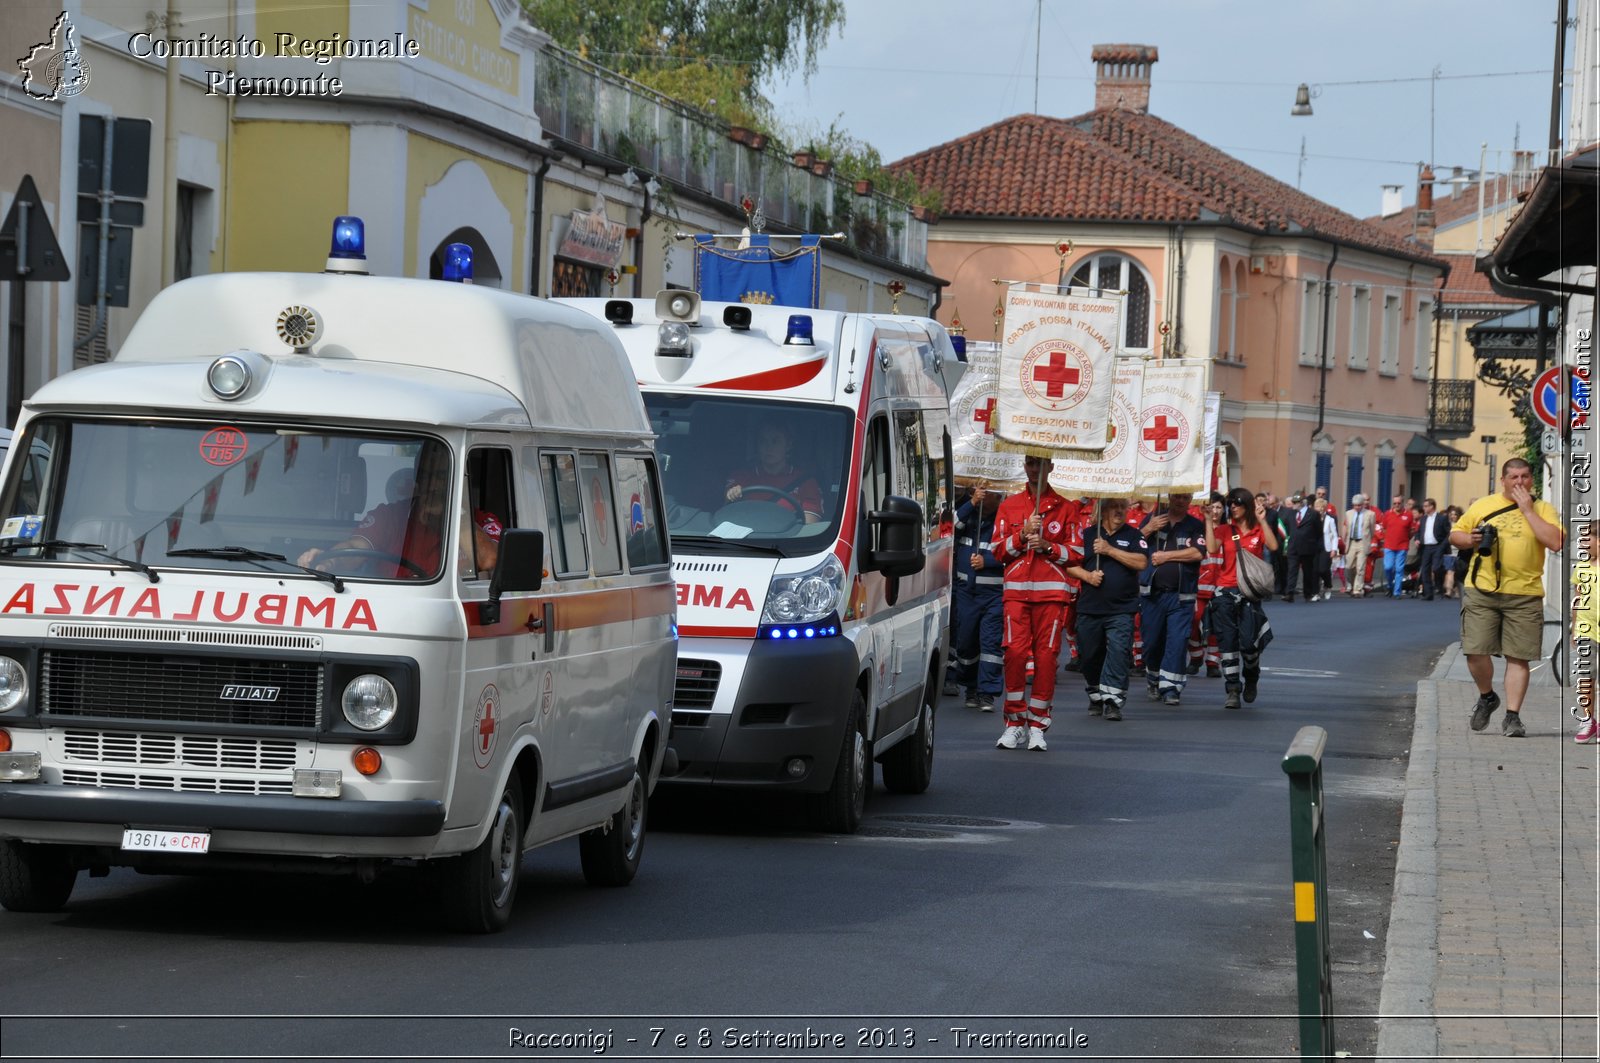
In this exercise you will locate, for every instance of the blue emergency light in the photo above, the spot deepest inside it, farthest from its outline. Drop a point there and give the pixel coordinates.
(799, 334)
(809, 631)
(347, 251)
(458, 263)
(960, 345)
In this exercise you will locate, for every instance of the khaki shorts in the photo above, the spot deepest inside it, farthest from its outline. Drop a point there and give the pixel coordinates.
(1502, 625)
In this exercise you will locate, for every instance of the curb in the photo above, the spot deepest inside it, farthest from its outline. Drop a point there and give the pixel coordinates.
(1406, 1026)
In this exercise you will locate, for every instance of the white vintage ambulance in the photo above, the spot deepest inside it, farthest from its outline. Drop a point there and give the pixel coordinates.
(328, 572)
(806, 462)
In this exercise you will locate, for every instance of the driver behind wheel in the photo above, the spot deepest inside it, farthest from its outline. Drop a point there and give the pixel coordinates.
(774, 469)
(400, 539)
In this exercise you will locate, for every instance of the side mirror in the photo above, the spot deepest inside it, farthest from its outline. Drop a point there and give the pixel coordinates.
(897, 537)
(519, 568)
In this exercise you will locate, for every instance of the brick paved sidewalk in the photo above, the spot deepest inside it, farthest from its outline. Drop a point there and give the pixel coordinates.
(1491, 950)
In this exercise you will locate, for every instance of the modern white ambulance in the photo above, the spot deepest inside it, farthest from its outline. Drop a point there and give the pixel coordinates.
(326, 572)
(806, 461)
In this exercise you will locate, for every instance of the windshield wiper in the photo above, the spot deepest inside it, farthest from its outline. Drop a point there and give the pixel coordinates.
(738, 545)
(86, 548)
(245, 553)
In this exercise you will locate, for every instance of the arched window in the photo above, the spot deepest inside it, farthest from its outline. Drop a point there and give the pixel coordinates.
(485, 270)
(1120, 273)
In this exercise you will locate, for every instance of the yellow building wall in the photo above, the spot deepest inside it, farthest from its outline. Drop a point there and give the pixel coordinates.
(426, 162)
(280, 209)
(316, 21)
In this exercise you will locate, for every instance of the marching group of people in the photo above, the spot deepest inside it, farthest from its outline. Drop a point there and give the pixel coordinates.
(1168, 591)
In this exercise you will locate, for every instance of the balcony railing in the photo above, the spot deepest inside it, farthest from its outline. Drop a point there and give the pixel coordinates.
(1450, 411)
(637, 126)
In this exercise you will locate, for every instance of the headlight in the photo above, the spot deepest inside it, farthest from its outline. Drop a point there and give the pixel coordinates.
(805, 597)
(369, 702)
(13, 683)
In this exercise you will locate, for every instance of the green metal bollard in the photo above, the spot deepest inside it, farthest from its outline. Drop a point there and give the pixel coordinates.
(1303, 764)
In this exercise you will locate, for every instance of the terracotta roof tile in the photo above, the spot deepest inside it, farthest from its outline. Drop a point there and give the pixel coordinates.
(1467, 287)
(1118, 165)
(1447, 210)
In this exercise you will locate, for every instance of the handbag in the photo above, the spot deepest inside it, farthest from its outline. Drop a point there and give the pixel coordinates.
(1254, 574)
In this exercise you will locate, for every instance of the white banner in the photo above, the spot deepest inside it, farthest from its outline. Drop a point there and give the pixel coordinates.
(972, 411)
(1171, 437)
(1056, 367)
(1110, 473)
(1213, 427)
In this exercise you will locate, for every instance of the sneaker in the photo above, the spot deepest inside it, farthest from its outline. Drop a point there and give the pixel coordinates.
(1232, 700)
(1249, 690)
(985, 702)
(1587, 731)
(1484, 709)
(1327, 595)
(1153, 693)
(972, 699)
(1213, 672)
(1012, 738)
(1036, 738)
(1171, 699)
(1112, 711)
(1511, 725)
(1096, 708)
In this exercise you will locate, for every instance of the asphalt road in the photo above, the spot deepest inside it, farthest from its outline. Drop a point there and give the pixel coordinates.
(1127, 892)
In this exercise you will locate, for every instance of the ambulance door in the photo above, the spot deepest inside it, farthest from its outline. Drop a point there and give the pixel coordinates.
(909, 663)
(500, 681)
(649, 568)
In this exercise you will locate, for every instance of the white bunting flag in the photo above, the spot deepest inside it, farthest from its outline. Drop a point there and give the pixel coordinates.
(1213, 425)
(1171, 432)
(972, 411)
(1108, 474)
(1056, 365)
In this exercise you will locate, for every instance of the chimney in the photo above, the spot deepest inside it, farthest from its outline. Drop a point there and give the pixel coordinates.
(1392, 203)
(1122, 76)
(1425, 227)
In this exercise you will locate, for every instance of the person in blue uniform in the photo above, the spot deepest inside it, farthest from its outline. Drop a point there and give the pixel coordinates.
(980, 611)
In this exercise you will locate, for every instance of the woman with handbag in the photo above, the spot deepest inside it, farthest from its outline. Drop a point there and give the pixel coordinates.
(1244, 579)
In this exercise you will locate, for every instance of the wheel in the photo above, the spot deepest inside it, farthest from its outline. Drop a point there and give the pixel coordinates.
(610, 854)
(479, 888)
(34, 878)
(841, 808)
(908, 767)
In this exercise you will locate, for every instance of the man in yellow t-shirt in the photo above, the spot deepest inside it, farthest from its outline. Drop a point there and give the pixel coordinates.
(1502, 608)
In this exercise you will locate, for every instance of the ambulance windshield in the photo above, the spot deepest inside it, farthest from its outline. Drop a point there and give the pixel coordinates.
(249, 498)
(752, 472)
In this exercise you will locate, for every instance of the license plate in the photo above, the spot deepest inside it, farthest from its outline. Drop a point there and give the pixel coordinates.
(166, 841)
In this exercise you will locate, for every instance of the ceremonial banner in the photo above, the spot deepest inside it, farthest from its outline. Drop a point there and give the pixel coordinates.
(1056, 365)
(1213, 423)
(972, 407)
(1110, 473)
(758, 274)
(1171, 429)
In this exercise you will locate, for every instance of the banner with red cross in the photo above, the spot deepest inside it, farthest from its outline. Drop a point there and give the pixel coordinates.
(972, 415)
(1110, 473)
(1056, 367)
(1171, 433)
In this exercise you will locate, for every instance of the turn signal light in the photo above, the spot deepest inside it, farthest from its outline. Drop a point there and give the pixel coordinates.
(367, 760)
(5, 741)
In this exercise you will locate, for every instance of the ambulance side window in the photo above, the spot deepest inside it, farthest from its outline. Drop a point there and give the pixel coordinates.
(564, 514)
(646, 524)
(490, 509)
(919, 478)
(600, 508)
(877, 475)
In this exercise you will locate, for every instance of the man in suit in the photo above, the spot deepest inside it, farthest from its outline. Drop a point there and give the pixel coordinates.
(1281, 516)
(1433, 534)
(1358, 532)
(1304, 526)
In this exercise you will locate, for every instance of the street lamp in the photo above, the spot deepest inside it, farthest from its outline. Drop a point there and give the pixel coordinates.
(1488, 459)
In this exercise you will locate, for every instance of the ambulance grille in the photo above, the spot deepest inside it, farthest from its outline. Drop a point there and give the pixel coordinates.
(697, 684)
(699, 566)
(209, 784)
(175, 751)
(180, 689)
(194, 636)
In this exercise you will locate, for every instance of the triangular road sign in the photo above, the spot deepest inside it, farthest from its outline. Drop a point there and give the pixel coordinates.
(28, 247)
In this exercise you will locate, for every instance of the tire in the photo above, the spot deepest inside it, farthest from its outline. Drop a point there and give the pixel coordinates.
(610, 855)
(908, 767)
(478, 889)
(841, 809)
(35, 878)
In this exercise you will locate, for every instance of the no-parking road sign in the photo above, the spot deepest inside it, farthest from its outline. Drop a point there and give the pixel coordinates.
(1546, 395)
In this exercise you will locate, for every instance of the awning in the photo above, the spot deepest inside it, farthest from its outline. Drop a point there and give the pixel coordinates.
(1434, 455)
(1554, 230)
(1515, 335)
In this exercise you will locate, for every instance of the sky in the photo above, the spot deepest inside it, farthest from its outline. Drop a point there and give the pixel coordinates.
(906, 76)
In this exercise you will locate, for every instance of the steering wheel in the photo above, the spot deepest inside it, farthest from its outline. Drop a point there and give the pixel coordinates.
(765, 515)
(376, 555)
(779, 492)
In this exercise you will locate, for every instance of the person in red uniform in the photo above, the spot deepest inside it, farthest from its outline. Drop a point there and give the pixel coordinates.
(1399, 524)
(1030, 542)
(409, 531)
(773, 468)
(1240, 624)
